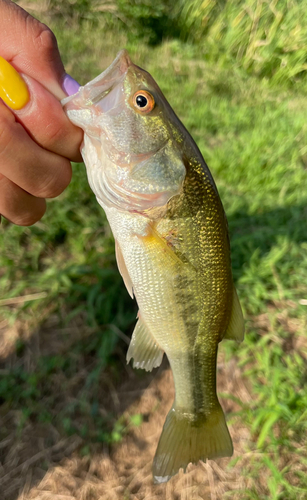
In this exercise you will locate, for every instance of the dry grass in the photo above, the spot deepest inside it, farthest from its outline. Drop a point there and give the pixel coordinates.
(37, 462)
(125, 472)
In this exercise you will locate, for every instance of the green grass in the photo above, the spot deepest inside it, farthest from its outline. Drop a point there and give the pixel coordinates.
(250, 125)
(266, 37)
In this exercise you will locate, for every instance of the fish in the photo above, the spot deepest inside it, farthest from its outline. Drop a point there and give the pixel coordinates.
(172, 249)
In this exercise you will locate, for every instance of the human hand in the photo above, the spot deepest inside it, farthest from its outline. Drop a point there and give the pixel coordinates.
(36, 138)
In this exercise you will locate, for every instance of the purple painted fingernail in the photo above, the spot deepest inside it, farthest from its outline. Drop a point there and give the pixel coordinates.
(70, 86)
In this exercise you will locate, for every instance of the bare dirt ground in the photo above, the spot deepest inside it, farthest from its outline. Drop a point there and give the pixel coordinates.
(38, 463)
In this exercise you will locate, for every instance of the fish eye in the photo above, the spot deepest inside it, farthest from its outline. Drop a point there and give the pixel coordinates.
(143, 101)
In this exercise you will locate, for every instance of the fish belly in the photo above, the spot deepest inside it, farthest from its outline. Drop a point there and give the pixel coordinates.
(156, 275)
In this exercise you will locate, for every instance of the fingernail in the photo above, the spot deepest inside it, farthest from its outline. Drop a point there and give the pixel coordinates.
(70, 86)
(13, 89)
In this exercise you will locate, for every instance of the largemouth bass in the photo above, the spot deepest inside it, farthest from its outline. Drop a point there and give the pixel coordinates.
(172, 249)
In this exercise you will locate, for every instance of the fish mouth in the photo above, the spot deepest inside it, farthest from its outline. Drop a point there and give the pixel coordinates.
(94, 91)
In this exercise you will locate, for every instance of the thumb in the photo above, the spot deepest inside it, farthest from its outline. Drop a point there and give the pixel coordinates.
(31, 47)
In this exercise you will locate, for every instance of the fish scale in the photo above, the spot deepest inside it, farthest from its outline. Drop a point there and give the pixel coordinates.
(172, 249)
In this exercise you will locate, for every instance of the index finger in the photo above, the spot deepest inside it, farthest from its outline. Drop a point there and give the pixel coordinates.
(45, 121)
(31, 46)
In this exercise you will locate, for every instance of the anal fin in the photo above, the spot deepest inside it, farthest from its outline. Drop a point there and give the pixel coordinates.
(123, 269)
(235, 329)
(143, 348)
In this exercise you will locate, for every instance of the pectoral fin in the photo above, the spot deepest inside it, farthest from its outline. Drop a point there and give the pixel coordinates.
(143, 348)
(123, 269)
(235, 329)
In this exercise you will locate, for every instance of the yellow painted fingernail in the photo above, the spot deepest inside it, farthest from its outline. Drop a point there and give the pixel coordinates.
(13, 89)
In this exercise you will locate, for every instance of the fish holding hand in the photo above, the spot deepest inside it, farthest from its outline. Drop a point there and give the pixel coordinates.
(172, 249)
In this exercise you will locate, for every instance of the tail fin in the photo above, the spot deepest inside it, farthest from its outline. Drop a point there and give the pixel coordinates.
(184, 440)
